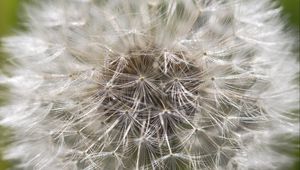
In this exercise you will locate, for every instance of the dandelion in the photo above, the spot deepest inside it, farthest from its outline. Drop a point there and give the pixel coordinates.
(151, 84)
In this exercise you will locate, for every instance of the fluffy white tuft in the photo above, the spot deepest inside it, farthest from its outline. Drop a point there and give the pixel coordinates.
(151, 84)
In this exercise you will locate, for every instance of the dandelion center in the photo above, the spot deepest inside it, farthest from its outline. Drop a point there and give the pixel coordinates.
(149, 83)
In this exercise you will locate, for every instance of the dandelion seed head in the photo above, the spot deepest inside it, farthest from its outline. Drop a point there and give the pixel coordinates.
(155, 84)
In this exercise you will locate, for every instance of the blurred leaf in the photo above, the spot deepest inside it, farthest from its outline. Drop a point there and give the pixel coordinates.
(8, 18)
(292, 10)
(8, 15)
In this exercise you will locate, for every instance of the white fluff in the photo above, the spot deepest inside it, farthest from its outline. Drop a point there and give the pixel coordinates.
(151, 84)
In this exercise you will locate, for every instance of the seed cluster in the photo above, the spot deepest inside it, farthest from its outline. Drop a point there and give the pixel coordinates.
(151, 85)
(146, 83)
(149, 100)
(152, 90)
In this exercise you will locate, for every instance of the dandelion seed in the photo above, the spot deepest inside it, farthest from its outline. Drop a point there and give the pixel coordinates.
(151, 84)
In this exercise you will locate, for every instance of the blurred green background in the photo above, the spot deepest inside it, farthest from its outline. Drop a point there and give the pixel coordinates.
(10, 12)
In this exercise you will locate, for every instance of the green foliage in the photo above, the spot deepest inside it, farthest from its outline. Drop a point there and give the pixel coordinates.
(8, 18)
(292, 10)
(8, 15)
(4, 141)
